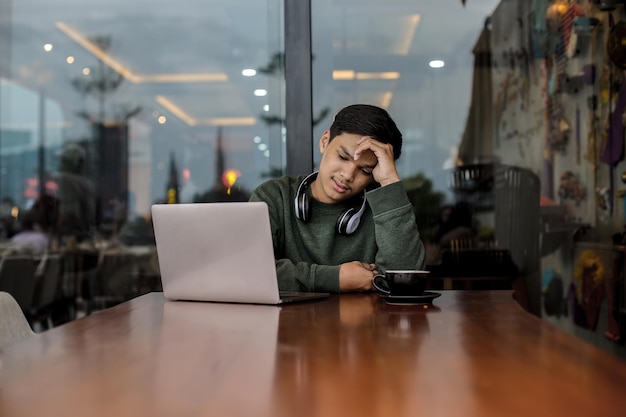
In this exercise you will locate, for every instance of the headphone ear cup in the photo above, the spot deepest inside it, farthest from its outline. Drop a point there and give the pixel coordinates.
(353, 223)
(302, 207)
(345, 222)
(303, 200)
(349, 220)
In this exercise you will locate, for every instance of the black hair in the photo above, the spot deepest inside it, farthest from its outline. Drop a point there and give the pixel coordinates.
(368, 120)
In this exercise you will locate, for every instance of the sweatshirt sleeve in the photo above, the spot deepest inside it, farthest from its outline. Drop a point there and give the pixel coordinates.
(397, 237)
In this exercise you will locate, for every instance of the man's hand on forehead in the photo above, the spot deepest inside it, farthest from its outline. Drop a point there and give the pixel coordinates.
(384, 172)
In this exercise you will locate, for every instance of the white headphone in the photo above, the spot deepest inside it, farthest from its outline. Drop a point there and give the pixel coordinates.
(347, 223)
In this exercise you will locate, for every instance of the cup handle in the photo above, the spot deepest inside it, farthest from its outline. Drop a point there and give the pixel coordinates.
(380, 284)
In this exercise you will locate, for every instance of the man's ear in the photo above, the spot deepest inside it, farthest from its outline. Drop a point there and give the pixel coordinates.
(324, 140)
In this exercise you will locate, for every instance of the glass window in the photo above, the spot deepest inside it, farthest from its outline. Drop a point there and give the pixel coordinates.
(414, 59)
(114, 106)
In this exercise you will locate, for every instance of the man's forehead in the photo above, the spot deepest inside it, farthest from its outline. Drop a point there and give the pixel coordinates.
(364, 155)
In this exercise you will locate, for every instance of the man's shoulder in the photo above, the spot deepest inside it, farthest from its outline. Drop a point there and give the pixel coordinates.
(280, 184)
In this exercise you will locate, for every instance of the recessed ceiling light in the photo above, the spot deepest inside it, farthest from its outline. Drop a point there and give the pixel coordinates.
(436, 63)
(248, 72)
(69, 59)
(266, 107)
(260, 92)
(47, 47)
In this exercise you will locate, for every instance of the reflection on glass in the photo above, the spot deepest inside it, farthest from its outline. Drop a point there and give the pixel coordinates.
(415, 60)
(165, 103)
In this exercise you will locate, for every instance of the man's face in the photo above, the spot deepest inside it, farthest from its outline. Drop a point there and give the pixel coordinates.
(340, 176)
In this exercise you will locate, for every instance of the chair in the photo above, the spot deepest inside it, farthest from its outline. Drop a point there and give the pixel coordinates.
(114, 281)
(48, 291)
(13, 324)
(17, 277)
(518, 225)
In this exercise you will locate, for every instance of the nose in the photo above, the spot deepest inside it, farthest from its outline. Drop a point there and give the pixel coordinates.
(349, 172)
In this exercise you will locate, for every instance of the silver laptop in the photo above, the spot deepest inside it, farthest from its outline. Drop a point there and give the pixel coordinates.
(220, 252)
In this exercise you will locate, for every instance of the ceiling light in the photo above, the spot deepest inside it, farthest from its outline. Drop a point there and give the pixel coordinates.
(115, 65)
(175, 110)
(436, 63)
(162, 120)
(377, 75)
(343, 75)
(248, 72)
(69, 59)
(256, 139)
(386, 100)
(227, 121)
(260, 92)
(180, 78)
(86, 71)
(266, 107)
(47, 47)
(409, 34)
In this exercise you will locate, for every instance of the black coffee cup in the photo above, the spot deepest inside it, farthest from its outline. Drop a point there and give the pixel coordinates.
(401, 282)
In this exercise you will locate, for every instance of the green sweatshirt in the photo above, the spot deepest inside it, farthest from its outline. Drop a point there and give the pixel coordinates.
(308, 255)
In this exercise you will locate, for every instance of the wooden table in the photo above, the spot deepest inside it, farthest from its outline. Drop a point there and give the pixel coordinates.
(471, 354)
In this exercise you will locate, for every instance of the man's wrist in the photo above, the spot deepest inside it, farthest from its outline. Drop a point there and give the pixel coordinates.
(389, 181)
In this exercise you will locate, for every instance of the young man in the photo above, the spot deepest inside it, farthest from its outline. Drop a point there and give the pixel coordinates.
(333, 230)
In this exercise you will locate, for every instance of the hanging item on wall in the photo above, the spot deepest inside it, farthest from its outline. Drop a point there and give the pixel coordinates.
(582, 32)
(616, 48)
(554, 16)
(572, 84)
(612, 82)
(614, 147)
(538, 33)
(591, 154)
(558, 129)
(553, 299)
(570, 187)
(587, 291)
(603, 199)
(570, 30)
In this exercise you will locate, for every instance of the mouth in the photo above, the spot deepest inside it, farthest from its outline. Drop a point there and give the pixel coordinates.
(339, 186)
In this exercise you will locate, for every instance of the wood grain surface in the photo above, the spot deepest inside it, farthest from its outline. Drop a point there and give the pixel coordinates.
(472, 353)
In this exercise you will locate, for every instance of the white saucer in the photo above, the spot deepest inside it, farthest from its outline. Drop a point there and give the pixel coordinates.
(425, 298)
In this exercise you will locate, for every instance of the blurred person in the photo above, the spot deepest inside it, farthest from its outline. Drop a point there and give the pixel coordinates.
(31, 238)
(77, 205)
(334, 229)
(8, 222)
